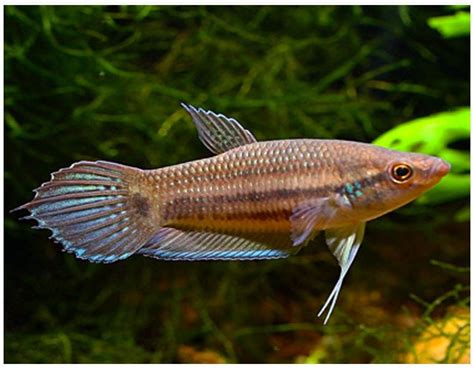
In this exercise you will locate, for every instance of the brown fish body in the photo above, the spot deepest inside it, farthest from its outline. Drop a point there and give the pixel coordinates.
(249, 188)
(252, 200)
(255, 187)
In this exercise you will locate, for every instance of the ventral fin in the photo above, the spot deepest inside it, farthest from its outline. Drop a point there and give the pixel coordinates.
(175, 244)
(217, 132)
(310, 216)
(343, 244)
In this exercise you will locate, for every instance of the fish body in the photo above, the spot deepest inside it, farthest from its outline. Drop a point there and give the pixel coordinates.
(252, 200)
(256, 187)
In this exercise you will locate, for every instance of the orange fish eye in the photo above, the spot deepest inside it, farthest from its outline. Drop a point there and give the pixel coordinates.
(401, 172)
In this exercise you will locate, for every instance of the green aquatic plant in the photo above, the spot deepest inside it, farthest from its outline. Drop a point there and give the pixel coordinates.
(455, 25)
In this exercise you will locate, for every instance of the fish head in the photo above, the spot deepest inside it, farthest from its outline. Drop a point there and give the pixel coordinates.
(396, 178)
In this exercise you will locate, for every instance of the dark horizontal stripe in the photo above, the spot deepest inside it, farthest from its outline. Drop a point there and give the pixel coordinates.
(242, 216)
(191, 206)
(187, 206)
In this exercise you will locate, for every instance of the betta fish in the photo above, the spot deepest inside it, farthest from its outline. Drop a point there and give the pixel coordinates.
(251, 200)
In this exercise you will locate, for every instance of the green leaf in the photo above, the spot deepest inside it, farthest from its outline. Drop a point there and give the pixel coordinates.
(452, 25)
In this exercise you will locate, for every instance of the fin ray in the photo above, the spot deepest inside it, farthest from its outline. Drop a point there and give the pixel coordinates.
(89, 210)
(311, 216)
(307, 217)
(343, 243)
(175, 244)
(217, 132)
(73, 209)
(78, 217)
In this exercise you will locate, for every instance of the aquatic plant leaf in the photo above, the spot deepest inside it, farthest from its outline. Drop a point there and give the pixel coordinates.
(452, 25)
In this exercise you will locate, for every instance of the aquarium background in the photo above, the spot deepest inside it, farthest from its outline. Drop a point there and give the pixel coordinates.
(105, 82)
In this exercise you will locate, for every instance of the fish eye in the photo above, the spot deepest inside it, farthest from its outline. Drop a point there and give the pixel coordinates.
(401, 172)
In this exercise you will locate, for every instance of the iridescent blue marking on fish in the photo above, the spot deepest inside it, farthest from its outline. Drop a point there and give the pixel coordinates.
(50, 206)
(90, 177)
(72, 189)
(79, 252)
(250, 254)
(353, 190)
(349, 188)
(110, 257)
(124, 256)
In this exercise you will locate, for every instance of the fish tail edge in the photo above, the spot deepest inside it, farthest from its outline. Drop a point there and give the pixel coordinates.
(95, 210)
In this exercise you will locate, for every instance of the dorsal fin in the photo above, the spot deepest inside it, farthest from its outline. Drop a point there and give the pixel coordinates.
(217, 132)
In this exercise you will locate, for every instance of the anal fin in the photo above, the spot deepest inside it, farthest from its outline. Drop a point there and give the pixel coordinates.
(176, 244)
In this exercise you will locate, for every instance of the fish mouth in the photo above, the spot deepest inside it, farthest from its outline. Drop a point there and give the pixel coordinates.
(439, 169)
(442, 168)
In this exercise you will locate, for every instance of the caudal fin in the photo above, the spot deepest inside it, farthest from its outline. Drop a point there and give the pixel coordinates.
(95, 210)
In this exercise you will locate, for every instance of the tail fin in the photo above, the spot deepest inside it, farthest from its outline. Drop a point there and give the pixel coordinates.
(92, 212)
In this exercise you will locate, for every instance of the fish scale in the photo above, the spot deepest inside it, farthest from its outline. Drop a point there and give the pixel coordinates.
(266, 177)
(252, 200)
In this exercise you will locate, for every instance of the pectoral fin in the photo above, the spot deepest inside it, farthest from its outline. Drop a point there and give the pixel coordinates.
(217, 132)
(310, 216)
(343, 244)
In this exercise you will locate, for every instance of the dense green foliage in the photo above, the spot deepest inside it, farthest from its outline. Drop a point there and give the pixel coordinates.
(105, 82)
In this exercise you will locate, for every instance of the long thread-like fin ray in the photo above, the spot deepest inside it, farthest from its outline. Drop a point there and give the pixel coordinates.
(343, 244)
(217, 132)
(91, 211)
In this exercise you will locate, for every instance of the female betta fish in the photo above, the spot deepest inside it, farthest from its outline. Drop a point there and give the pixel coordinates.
(252, 200)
